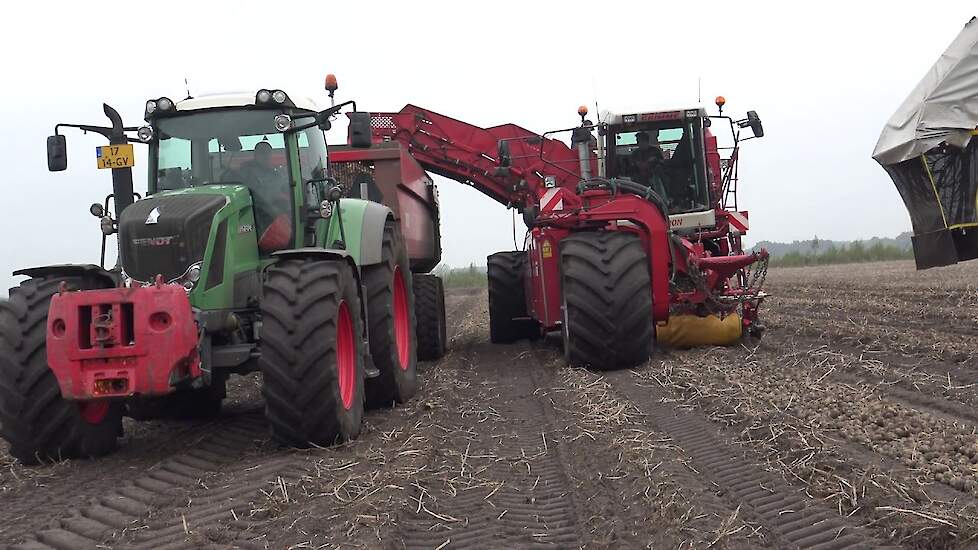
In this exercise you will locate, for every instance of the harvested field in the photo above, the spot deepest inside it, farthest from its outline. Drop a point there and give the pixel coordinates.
(852, 424)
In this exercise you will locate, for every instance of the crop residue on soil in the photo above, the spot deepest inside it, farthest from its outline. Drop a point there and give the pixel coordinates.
(851, 424)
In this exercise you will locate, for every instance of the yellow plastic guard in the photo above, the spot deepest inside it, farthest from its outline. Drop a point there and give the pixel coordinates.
(688, 331)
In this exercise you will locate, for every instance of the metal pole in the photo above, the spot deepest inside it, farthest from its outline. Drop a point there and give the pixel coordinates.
(121, 177)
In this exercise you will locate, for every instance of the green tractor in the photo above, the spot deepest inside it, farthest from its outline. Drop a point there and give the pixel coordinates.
(244, 256)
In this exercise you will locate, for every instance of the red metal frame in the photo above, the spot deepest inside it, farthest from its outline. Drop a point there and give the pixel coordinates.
(121, 342)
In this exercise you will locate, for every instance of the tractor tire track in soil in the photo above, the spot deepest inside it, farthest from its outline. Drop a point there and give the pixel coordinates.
(794, 518)
(120, 509)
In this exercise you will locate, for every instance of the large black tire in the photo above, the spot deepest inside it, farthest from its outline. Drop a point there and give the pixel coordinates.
(390, 312)
(508, 319)
(607, 300)
(429, 304)
(39, 425)
(311, 350)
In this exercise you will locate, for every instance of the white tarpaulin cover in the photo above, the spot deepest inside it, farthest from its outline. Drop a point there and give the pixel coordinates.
(943, 106)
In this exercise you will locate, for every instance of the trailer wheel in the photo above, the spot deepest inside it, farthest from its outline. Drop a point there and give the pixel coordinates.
(508, 317)
(607, 300)
(39, 425)
(312, 352)
(391, 318)
(429, 303)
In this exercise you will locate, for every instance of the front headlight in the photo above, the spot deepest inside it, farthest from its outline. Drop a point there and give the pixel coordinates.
(193, 274)
(283, 122)
(145, 134)
(189, 278)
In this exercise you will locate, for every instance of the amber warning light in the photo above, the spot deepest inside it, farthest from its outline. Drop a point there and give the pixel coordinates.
(331, 84)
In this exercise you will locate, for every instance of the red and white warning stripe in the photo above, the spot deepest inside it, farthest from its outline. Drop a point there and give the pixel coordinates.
(738, 221)
(553, 199)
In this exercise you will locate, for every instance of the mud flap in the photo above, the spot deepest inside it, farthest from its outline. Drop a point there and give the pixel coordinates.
(688, 331)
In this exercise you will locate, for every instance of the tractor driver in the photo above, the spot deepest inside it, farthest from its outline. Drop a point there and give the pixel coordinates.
(270, 194)
(647, 161)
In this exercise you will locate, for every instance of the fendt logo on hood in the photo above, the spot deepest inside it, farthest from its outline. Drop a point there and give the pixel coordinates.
(154, 216)
(154, 241)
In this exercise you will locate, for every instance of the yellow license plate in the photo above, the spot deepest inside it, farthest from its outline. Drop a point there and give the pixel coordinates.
(115, 156)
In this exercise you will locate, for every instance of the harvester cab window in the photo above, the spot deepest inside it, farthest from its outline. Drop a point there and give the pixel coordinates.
(230, 147)
(664, 157)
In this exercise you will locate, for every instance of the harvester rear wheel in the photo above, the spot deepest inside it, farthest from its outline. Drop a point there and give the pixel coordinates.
(429, 304)
(39, 425)
(312, 352)
(508, 318)
(390, 312)
(607, 300)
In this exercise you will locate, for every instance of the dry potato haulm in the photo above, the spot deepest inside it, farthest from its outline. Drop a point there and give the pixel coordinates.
(267, 348)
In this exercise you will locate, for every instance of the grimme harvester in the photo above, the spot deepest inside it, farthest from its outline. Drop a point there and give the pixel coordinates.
(245, 256)
(634, 234)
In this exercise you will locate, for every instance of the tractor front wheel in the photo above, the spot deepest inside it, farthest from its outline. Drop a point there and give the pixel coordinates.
(312, 352)
(38, 423)
(607, 300)
(390, 312)
(429, 302)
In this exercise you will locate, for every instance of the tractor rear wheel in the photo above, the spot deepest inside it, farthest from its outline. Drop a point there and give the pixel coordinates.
(607, 300)
(38, 423)
(390, 312)
(429, 303)
(312, 352)
(508, 318)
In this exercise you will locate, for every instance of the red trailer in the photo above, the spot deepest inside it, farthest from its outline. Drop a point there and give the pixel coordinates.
(634, 229)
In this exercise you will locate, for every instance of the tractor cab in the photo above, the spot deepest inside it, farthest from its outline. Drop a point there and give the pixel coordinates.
(662, 150)
(240, 140)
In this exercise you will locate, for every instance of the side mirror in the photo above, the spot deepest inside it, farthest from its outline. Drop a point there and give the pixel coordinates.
(359, 131)
(324, 123)
(57, 153)
(505, 159)
(755, 123)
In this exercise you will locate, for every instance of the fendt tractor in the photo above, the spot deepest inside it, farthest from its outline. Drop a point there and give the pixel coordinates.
(635, 235)
(244, 256)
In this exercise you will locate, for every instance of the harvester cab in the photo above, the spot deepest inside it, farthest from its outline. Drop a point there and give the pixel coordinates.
(244, 256)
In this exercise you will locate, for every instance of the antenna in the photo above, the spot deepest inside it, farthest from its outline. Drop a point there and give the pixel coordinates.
(594, 92)
(699, 90)
(187, 85)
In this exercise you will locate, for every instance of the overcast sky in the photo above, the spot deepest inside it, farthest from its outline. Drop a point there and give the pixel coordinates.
(823, 76)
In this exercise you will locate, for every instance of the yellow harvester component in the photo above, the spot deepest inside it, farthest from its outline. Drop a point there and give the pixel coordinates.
(688, 331)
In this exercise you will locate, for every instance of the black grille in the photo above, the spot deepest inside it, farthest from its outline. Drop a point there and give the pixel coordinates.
(177, 239)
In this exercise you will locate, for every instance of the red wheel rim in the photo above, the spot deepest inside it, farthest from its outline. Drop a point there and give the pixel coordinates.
(346, 355)
(402, 321)
(94, 412)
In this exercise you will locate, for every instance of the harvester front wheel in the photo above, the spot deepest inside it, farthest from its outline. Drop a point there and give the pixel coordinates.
(312, 352)
(607, 300)
(429, 302)
(38, 423)
(508, 318)
(390, 312)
